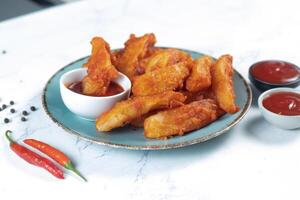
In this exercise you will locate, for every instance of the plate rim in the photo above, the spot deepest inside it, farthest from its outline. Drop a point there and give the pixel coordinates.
(150, 147)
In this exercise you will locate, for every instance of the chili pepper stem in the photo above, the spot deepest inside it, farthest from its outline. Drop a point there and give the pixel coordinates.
(33, 158)
(7, 136)
(70, 167)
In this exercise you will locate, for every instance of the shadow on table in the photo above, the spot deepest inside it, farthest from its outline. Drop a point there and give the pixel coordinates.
(256, 94)
(258, 128)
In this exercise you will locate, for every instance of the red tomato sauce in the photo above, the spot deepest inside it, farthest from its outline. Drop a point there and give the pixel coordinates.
(276, 72)
(283, 103)
(113, 89)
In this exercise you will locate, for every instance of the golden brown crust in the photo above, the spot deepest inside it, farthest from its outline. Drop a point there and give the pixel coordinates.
(165, 79)
(136, 48)
(206, 88)
(180, 120)
(222, 84)
(200, 77)
(162, 58)
(100, 69)
(126, 111)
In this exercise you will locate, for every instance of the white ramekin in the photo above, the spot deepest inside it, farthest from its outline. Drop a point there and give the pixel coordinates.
(90, 107)
(281, 121)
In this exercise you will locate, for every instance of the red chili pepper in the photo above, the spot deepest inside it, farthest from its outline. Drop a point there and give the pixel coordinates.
(55, 154)
(34, 158)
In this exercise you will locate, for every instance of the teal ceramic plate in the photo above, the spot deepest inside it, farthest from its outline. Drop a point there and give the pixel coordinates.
(131, 138)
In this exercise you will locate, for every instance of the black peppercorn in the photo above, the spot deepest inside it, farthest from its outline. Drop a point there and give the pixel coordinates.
(4, 106)
(32, 108)
(23, 119)
(12, 110)
(6, 120)
(11, 102)
(25, 113)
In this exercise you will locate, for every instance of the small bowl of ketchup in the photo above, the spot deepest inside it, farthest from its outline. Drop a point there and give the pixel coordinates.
(281, 107)
(90, 107)
(269, 74)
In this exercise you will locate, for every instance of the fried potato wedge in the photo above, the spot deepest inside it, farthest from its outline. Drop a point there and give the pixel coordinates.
(93, 87)
(222, 84)
(200, 77)
(180, 120)
(100, 69)
(136, 48)
(192, 96)
(165, 79)
(139, 122)
(162, 58)
(115, 56)
(124, 112)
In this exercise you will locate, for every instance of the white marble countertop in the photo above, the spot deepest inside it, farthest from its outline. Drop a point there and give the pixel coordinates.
(252, 161)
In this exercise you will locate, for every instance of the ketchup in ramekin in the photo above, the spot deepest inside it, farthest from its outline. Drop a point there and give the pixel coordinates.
(283, 103)
(270, 74)
(281, 107)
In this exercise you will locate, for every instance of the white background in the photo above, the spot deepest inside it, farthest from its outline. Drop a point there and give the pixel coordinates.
(252, 161)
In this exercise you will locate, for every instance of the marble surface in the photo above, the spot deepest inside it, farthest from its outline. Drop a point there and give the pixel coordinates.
(255, 160)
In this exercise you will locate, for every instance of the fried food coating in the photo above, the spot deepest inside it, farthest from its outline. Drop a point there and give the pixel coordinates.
(192, 96)
(222, 84)
(100, 69)
(115, 56)
(165, 79)
(124, 112)
(139, 122)
(93, 87)
(180, 120)
(162, 58)
(200, 77)
(136, 48)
